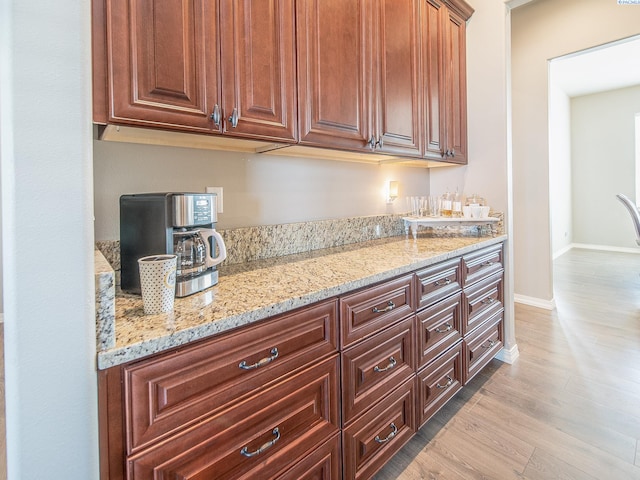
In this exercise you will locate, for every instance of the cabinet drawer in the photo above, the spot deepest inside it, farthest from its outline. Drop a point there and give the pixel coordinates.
(481, 301)
(175, 390)
(438, 328)
(481, 264)
(323, 464)
(376, 436)
(437, 282)
(438, 382)
(376, 366)
(365, 312)
(482, 345)
(258, 438)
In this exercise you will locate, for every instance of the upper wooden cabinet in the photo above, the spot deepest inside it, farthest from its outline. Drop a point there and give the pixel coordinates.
(444, 80)
(358, 75)
(210, 67)
(366, 76)
(334, 73)
(397, 80)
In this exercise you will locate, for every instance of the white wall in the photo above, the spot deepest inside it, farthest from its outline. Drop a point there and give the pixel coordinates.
(51, 411)
(603, 145)
(543, 30)
(560, 187)
(258, 189)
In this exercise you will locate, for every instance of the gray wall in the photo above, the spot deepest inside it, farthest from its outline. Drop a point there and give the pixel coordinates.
(603, 164)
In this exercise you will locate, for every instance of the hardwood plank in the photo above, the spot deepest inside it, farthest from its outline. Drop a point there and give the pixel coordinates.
(544, 466)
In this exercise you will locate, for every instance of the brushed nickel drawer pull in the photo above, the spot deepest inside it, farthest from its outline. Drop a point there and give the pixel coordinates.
(488, 263)
(390, 306)
(442, 283)
(394, 430)
(245, 451)
(488, 301)
(448, 329)
(449, 382)
(491, 344)
(215, 115)
(392, 363)
(261, 363)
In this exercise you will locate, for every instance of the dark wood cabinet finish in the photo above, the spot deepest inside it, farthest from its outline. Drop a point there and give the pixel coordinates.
(162, 62)
(374, 367)
(444, 79)
(207, 67)
(439, 328)
(324, 463)
(398, 121)
(439, 382)
(482, 345)
(482, 300)
(367, 311)
(438, 281)
(481, 264)
(174, 390)
(258, 68)
(373, 439)
(255, 438)
(334, 73)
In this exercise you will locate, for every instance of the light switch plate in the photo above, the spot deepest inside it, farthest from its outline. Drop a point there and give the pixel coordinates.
(218, 192)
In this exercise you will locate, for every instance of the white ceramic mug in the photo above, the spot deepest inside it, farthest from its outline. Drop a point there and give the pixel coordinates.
(158, 282)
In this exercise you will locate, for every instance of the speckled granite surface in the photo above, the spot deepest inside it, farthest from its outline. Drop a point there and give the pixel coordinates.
(105, 303)
(253, 291)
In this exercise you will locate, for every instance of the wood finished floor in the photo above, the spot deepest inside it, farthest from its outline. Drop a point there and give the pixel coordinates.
(569, 408)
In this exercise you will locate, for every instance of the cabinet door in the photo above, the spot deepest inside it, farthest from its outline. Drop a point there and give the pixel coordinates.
(433, 78)
(163, 67)
(334, 71)
(396, 89)
(258, 58)
(455, 46)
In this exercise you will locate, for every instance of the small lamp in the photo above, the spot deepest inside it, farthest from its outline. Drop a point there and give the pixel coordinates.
(392, 191)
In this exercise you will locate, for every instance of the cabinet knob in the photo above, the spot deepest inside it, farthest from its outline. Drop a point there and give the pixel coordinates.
(233, 119)
(215, 115)
(379, 143)
(372, 143)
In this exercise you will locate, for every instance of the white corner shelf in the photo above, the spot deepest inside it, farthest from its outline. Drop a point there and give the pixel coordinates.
(412, 223)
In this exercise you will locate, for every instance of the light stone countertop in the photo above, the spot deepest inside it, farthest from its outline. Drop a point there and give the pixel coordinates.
(254, 291)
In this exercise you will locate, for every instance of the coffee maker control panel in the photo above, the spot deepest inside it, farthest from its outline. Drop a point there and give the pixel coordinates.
(192, 209)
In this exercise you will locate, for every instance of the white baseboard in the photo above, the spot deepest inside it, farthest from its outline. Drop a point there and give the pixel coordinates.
(508, 356)
(535, 302)
(562, 251)
(607, 248)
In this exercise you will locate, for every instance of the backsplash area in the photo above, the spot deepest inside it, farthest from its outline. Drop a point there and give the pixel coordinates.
(247, 244)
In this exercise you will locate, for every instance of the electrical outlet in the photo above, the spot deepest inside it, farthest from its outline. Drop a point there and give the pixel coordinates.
(218, 192)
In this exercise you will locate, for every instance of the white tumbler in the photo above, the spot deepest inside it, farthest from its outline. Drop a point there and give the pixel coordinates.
(158, 282)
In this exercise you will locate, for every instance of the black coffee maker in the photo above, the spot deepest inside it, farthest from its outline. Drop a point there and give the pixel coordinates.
(176, 223)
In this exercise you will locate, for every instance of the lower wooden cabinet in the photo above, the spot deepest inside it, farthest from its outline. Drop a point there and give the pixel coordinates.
(438, 382)
(258, 438)
(327, 392)
(482, 345)
(376, 436)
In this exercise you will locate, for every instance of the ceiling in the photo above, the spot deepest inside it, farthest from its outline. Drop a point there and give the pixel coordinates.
(607, 67)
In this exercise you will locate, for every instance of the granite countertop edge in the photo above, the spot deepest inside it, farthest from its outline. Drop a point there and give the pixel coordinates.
(134, 339)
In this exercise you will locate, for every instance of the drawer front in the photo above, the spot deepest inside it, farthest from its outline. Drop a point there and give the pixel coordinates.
(482, 345)
(258, 438)
(376, 436)
(481, 301)
(481, 264)
(368, 311)
(438, 382)
(323, 464)
(170, 392)
(438, 281)
(439, 328)
(376, 366)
